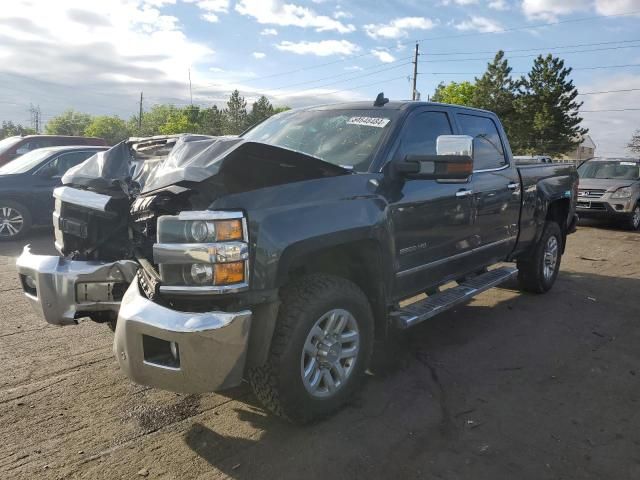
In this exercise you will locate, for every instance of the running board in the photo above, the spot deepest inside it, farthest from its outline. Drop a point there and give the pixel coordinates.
(439, 302)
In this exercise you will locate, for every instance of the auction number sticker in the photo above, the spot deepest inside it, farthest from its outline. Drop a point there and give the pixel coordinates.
(369, 121)
(630, 164)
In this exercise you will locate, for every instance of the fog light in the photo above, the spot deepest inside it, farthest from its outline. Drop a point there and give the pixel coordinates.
(30, 282)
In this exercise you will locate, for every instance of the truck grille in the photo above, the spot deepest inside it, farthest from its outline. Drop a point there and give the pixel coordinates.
(590, 193)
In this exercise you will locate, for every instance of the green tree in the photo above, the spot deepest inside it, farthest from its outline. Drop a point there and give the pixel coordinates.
(185, 120)
(260, 110)
(496, 91)
(236, 114)
(10, 129)
(280, 109)
(68, 123)
(455, 93)
(548, 110)
(212, 121)
(634, 144)
(112, 128)
(152, 120)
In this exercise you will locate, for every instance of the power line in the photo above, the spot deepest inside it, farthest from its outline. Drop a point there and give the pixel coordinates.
(611, 91)
(453, 60)
(612, 110)
(511, 29)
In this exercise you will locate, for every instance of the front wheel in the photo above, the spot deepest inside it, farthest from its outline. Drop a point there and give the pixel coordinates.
(633, 222)
(15, 220)
(538, 271)
(320, 349)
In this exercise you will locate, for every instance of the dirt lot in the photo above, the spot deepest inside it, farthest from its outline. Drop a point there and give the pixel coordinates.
(509, 386)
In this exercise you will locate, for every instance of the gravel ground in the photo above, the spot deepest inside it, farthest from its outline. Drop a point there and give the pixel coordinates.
(508, 386)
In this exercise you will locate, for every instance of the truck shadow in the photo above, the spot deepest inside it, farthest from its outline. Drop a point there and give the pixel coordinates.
(481, 386)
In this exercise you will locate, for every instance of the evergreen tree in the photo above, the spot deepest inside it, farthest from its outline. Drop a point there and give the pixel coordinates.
(496, 91)
(212, 121)
(548, 109)
(260, 110)
(634, 144)
(236, 114)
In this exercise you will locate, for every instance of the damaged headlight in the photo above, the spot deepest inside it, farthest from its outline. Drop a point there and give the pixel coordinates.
(624, 192)
(202, 252)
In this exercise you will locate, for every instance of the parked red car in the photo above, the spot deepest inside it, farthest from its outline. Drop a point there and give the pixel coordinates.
(13, 147)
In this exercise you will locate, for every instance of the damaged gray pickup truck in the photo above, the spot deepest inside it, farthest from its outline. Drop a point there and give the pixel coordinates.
(277, 257)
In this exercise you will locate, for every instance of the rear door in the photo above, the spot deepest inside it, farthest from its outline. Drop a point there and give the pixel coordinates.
(496, 187)
(432, 220)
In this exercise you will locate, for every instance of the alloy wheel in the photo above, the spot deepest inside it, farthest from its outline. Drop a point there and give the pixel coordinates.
(11, 222)
(550, 258)
(329, 353)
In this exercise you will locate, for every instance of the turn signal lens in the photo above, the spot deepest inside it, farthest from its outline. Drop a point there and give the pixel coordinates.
(229, 273)
(228, 230)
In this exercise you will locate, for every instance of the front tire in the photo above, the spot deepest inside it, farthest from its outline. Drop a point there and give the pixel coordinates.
(538, 272)
(320, 349)
(633, 222)
(15, 220)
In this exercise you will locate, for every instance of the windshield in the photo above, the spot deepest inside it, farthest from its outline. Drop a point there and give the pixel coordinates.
(347, 138)
(7, 143)
(25, 162)
(610, 170)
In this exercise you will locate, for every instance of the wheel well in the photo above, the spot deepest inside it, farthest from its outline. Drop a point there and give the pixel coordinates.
(358, 262)
(558, 211)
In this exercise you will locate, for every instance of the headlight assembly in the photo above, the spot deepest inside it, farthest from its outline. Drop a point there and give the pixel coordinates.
(202, 252)
(624, 192)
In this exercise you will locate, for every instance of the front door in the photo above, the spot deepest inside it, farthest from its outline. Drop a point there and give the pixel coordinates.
(496, 189)
(432, 221)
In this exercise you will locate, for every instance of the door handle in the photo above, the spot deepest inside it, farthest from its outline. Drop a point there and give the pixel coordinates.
(464, 193)
(512, 186)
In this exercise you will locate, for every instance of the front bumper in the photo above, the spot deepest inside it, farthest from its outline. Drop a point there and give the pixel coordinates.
(600, 208)
(61, 290)
(180, 351)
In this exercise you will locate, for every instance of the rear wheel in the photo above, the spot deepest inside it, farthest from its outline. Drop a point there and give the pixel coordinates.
(15, 220)
(538, 272)
(320, 349)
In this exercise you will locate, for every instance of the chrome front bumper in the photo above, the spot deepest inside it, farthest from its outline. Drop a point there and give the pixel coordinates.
(180, 351)
(62, 290)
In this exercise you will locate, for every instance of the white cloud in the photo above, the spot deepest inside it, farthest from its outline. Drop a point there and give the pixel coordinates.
(383, 55)
(211, 8)
(322, 48)
(259, 55)
(498, 5)
(274, 12)
(210, 17)
(480, 24)
(549, 10)
(614, 7)
(398, 27)
(353, 68)
(339, 13)
(269, 31)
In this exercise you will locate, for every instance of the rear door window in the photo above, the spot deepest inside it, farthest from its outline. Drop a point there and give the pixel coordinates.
(65, 161)
(488, 151)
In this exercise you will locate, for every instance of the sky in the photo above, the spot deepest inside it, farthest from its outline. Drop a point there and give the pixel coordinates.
(97, 56)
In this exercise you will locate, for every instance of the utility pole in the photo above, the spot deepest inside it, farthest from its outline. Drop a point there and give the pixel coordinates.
(190, 93)
(36, 116)
(414, 92)
(140, 116)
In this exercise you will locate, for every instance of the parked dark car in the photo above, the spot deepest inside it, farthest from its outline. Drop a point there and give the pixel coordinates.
(27, 184)
(278, 256)
(13, 147)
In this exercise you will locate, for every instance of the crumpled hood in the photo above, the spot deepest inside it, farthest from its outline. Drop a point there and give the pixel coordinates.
(603, 184)
(243, 165)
